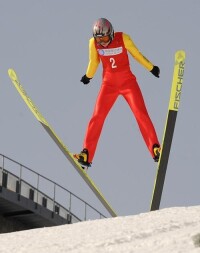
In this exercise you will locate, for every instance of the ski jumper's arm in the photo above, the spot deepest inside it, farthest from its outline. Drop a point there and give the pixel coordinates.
(133, 50)
(93, 59)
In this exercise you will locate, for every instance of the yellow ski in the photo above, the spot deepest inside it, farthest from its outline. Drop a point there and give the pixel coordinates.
(15, 80)
(174, 102)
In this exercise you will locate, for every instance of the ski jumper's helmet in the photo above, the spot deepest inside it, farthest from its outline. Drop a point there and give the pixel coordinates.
(102, 27)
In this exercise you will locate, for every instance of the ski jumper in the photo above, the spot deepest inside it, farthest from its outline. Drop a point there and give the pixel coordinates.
(117, 80)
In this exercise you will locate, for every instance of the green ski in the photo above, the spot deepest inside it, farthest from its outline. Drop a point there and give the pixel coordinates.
(15, 80)
(175, 97)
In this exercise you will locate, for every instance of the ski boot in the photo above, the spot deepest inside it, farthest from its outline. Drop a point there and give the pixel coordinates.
(156, 151)
(82, 158)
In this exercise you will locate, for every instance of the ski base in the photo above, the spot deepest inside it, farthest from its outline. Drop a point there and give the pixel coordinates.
(174, 102)
(15, 80)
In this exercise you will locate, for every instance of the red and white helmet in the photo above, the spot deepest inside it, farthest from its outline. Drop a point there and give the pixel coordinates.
(103, 27)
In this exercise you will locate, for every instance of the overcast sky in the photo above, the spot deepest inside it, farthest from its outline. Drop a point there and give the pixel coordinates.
(46, 42)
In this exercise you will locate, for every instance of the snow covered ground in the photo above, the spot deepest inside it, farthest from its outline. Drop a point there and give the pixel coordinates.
(167, 231)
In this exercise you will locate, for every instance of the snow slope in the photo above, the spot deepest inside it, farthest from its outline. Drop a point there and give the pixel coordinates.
(168, 230)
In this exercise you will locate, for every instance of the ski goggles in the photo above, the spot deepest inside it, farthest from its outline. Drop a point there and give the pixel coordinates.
(104, 39)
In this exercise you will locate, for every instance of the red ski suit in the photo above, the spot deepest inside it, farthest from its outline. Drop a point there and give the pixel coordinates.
(117, 80)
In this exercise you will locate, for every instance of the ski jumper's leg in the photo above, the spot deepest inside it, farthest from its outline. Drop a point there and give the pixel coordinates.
(133, 96)
(105, 100)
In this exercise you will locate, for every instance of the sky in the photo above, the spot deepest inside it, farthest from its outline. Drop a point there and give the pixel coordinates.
(46, 42)
(167, 230)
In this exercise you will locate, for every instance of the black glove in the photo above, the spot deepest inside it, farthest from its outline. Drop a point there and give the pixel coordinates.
(155, 71)
(85, 79)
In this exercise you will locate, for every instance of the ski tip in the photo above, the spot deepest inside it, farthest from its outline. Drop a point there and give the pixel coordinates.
(12, 74)
(180, 56)
(181, 51)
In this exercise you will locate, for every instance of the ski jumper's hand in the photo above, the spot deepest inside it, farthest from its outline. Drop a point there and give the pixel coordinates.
(155, 71)
(85, 79)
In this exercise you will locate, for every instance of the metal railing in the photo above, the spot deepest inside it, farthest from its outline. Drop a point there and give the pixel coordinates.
(57, 198)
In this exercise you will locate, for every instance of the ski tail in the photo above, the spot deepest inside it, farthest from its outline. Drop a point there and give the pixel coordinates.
(174, 102)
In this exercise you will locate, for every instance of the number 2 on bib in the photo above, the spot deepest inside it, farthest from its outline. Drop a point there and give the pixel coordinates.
(113, 64)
